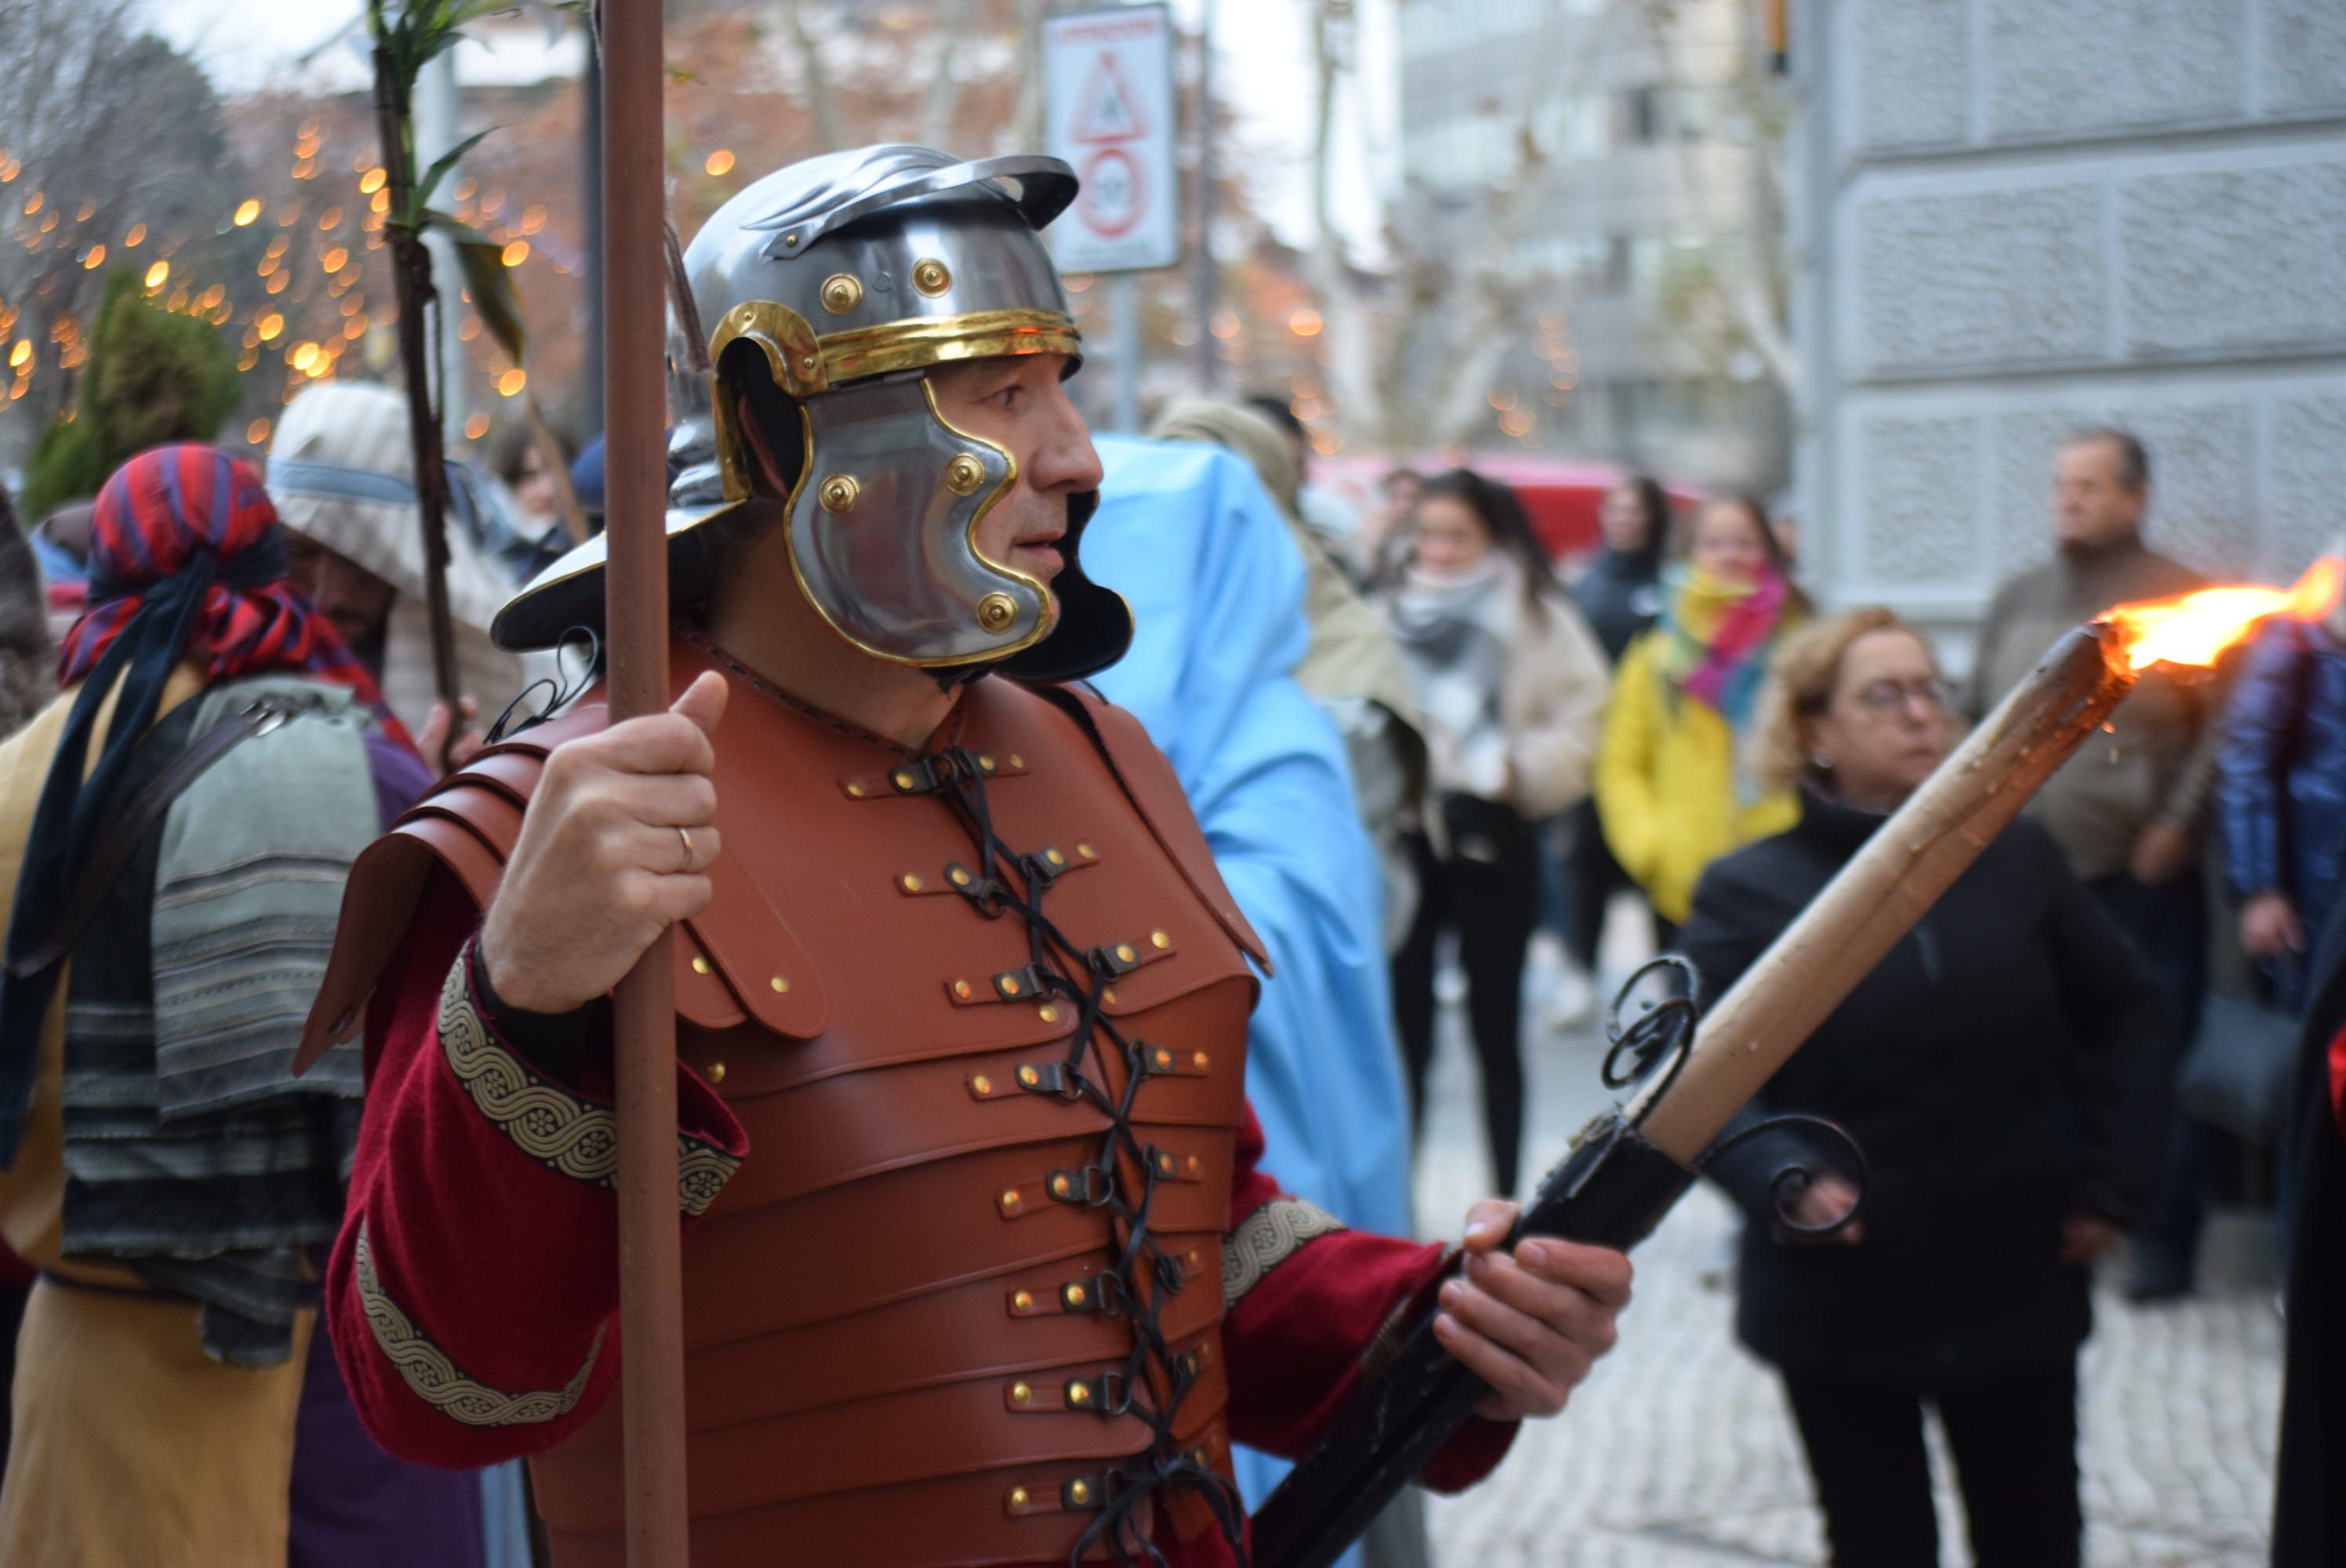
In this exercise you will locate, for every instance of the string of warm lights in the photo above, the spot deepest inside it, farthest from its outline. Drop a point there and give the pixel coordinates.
(326, 226)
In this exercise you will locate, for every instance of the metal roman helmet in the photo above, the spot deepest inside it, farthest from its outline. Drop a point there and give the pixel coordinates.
(851, 276)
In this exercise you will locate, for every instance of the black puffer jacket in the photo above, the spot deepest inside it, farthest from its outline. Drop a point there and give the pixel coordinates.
(2005, 1064)
(1621, 594)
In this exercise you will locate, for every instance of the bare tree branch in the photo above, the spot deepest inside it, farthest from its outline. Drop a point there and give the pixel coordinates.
(943, 91)
(815, 78)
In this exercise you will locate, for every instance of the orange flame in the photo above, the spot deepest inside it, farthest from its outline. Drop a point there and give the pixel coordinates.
(2196, 628)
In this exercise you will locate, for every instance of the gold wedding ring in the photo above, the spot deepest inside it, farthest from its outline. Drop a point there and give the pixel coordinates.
(685, 835)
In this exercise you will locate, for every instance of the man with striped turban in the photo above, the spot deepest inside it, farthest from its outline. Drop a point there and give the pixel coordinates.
(175, 829)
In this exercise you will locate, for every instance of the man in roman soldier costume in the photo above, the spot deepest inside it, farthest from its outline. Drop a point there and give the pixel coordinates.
(981, 1265)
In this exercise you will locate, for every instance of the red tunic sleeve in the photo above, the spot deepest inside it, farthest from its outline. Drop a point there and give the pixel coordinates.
(1310, 1305)
(472, 1291)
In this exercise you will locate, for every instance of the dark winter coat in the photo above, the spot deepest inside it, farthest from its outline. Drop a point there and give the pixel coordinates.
(1621, 595)
(2310, 1505)
(2006, 1064)
(2280, 778)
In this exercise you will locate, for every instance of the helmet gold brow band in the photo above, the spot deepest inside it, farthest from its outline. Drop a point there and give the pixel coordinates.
(790, 342)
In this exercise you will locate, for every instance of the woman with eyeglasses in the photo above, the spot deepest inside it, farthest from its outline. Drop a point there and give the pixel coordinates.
(2003, 1071)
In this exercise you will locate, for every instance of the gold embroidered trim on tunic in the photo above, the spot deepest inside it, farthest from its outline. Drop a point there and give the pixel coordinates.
(557, 1128)
(435, 1379)
(1267, 1239)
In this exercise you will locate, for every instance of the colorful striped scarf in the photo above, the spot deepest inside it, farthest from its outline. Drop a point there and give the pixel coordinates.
(185, 558)
(1715, 638)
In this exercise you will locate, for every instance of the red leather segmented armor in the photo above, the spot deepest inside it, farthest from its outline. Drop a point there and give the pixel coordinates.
(980, 1015)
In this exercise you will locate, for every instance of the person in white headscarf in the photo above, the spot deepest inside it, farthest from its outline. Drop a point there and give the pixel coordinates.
(342, 473)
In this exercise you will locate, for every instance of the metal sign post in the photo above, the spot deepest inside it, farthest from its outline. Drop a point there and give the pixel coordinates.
(1108, 94)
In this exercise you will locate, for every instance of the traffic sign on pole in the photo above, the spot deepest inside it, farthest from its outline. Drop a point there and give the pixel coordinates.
(1108, 94)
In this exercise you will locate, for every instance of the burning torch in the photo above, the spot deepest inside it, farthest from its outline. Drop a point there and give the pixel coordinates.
(1628, 1166)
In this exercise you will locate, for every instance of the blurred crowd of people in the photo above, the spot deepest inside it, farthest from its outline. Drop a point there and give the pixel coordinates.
(1669, 724)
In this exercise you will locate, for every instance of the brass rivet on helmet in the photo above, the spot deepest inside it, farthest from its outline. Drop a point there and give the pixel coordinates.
(841, 292)
(931, 277)
(839, 493)
(995, 612)
(964, 475)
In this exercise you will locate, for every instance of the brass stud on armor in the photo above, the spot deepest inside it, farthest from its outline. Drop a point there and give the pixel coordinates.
(986, 762)
(1125, 951)
(1022, 1302)
(838, 494)
(1158, 939)
(1021, 1394)
(964, 475)
(1010, 1201)
(780, 985)
(1079, 1492)
(1108, 996)
(961, 989)
(1199, 1060)
(1029, 1077)
(1054, 857)
(855, 790)
(1165, 1164)
(1163, 1060)
(903, 778)
(959, 877)
(1194, 1164)
(1087, 851)
(982, 1083)
(715, 1072)
(1009, 985)
(1016, 760)
(995, 612)
(1079, 1393)
(1047, 1014)
(700, 964)
(912, 883)
(1074, 1295)
(1061, 1186)
(841, 292)
(1017, 1497)
(931, 277)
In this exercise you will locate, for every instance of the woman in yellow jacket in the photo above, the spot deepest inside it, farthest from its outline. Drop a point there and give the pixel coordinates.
(1672, 794)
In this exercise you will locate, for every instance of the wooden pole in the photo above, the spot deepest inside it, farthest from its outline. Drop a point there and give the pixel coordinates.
(651, 1304)
(1889, 885)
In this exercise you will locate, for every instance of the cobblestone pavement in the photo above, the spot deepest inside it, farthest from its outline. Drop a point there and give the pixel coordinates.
(1678, 1452)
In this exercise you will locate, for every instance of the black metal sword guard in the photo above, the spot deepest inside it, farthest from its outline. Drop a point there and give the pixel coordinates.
(1611, 1188)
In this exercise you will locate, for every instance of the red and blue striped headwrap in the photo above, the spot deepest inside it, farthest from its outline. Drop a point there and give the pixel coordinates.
(187, 560)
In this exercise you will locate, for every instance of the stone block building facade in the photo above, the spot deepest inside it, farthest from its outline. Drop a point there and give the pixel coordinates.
(2013, 217)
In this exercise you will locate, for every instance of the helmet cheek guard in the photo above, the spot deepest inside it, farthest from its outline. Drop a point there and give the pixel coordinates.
(884, 530)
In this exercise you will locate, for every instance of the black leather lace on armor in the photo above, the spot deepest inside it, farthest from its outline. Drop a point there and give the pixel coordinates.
(1058, 968)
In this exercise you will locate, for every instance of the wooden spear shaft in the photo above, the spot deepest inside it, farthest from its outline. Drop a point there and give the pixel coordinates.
(1889, 885)
(651, 1301)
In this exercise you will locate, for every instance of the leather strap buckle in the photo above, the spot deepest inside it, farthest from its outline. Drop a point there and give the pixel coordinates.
(1088, 1184)
(1025, 984)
